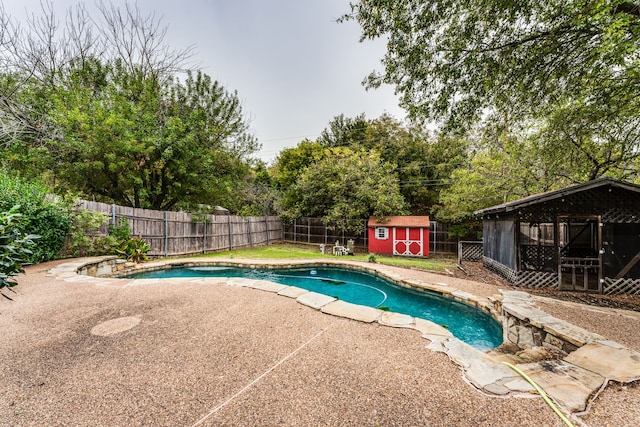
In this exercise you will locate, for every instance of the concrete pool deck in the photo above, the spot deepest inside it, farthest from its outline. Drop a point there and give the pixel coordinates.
(84, 350)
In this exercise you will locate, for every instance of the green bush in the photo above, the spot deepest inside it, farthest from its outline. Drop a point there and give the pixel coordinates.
(39, 216)
(84, 238)
(134, 249)
(131, 248)
(14, 248)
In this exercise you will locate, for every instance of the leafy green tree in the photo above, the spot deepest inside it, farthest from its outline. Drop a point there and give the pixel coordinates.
(558, 80)
(291, 162)
(423, 160)
(451, 60)
(344, 131)
(35, 57)
(97, 109)
(502, 167)
(583, 141)
(137, 143)
(347, 184)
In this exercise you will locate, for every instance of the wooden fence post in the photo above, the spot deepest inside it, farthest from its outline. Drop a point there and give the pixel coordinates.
(204, 237)
(435, 235)
(166, 234)
(113, 215)
(266, 221)
(230, 232)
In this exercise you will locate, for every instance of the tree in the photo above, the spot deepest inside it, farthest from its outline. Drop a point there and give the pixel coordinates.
(40, 54)
(557, 81)
(344, 131)
(502, 166)
(583, 141)
(94, 106)
(423, 160)
(138, 143)
(452, 60)
(347, 184)
(259, 196)
(291, 162)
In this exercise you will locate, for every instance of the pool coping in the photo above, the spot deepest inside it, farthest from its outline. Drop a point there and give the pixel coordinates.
(570, 382)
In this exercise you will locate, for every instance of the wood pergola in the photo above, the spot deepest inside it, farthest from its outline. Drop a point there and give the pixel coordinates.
(585, 237)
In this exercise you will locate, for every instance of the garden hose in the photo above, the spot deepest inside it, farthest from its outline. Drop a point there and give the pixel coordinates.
(541, 393)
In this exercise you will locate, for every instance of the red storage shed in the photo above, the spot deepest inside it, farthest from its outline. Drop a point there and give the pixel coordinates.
(399, 235)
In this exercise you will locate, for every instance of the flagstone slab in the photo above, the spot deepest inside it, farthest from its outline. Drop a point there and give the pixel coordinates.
(396, 320)
(237, 281)
(618, 364)
(567, 384)
(428, 328)
(484, 374)
(361, 313)
(518, 384)
(315, 300)
(265, 285)
(293, 292)
(461, 353)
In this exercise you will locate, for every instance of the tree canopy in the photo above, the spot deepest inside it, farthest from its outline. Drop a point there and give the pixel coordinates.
(101, 106)
(557, 83)
(347, 184)
(422, 162)
(451, 60)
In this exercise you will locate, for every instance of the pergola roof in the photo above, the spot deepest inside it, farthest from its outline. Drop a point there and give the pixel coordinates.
(553, 195)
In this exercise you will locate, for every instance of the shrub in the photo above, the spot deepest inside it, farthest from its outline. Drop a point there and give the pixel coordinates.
(84, 238)
(134, 249)
(40, 215)
(14, 248)
(131, 248)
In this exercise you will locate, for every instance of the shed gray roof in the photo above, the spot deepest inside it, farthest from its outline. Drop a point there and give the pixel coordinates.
(551, 195)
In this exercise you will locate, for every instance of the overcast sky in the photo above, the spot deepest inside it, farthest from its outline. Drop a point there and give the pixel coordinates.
(293, 66)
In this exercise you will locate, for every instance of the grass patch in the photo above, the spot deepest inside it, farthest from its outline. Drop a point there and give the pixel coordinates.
(291, 251)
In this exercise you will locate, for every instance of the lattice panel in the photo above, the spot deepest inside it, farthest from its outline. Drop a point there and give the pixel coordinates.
(621, 286)
(502, 270)
(471, 251)
(538, 257)
(621, 215)
(537, 279)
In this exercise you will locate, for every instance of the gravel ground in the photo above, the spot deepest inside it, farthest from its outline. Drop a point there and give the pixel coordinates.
(219, 355)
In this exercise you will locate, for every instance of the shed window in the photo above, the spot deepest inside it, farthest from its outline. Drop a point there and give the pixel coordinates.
(382, 233)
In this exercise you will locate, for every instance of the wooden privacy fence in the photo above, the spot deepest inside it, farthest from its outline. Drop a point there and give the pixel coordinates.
(183, 233)
(315, 231)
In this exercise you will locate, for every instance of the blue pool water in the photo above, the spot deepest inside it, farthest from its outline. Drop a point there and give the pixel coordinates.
(465, 322)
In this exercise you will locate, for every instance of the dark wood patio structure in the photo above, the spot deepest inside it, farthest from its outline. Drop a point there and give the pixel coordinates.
(583, 238)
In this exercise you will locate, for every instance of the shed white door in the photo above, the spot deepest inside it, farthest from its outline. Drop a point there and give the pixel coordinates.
(408, 241)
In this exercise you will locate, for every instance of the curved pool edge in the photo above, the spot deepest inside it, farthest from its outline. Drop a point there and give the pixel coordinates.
(486, 371)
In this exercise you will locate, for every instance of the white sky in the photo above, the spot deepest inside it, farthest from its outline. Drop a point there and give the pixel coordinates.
(293, 66)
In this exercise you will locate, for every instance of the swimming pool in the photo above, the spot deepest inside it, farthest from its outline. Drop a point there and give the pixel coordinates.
(465, 322)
